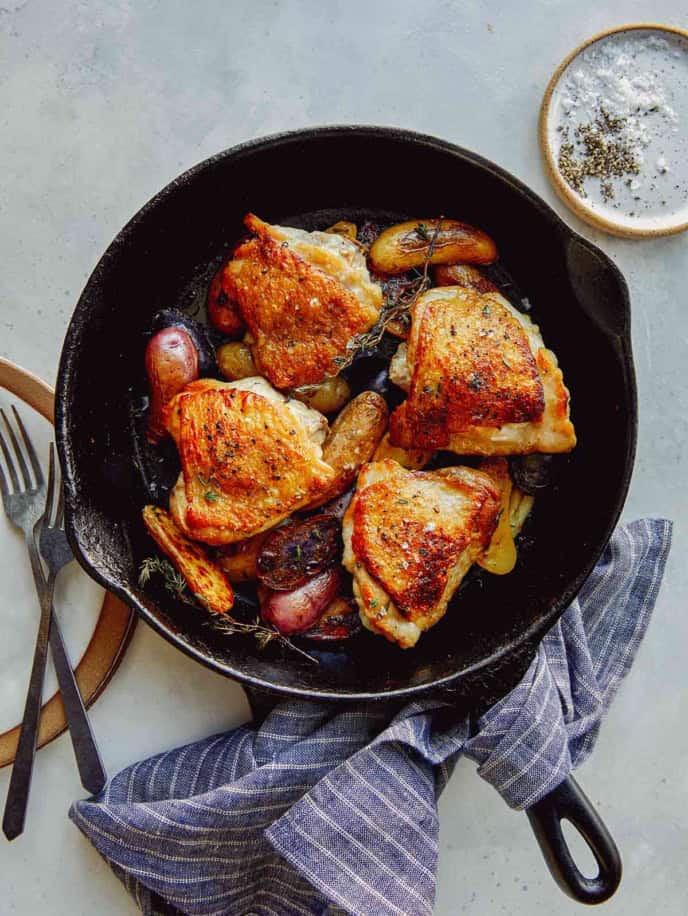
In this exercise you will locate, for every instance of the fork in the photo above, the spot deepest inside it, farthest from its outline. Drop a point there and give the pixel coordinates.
(23, 504)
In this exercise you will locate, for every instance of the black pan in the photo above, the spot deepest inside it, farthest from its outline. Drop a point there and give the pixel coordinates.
(165, 256)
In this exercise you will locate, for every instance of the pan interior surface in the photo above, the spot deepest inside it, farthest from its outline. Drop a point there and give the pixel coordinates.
(165, 257)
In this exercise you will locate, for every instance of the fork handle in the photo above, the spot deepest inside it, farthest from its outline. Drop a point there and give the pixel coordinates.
(20, 781)
(91, 770)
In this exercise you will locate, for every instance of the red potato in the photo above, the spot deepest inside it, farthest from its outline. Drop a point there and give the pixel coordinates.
(171, 364)
(297, 611)
(294, 553)
(223, 312)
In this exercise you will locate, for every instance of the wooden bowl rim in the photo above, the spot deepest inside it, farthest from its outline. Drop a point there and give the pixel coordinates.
(564, 191)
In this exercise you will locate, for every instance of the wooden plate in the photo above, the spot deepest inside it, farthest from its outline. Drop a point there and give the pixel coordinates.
(115, 623)
(623, 226)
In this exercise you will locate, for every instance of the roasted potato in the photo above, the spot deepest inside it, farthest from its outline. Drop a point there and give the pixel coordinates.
(205, 579)
(520, 507)
(412, 458)
(197, 331)
(340, 620)
(463, 275)
(171, 363)
(443, 241)
(239, 560)
(345, 228)
(399, 326)
(234, 360)
(298, 610)
(326, 397)
(352, 440)
(500, 556)
(296, 552)
(223, 312)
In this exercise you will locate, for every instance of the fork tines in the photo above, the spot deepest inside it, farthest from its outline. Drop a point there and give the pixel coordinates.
(19, 461)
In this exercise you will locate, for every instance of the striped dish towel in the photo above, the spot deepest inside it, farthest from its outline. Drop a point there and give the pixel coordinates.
(326, 809)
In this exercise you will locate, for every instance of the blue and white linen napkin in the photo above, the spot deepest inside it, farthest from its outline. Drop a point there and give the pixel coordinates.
(325, 809)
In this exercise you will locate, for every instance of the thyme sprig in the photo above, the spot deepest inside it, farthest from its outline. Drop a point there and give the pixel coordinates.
(263, 635)
(176, 585)
(399, 300)
(173, 581)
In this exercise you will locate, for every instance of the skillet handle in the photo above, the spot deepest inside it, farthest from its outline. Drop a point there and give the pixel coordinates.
(569, 802)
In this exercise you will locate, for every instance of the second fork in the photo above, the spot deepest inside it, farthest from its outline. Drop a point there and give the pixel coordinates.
(23, 507)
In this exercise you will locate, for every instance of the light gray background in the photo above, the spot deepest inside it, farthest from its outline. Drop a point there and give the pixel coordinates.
(102, 103)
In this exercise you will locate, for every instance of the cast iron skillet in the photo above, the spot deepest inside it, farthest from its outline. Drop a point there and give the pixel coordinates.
(165, 256)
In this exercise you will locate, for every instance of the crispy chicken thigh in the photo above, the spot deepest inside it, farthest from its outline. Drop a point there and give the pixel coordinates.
(479, 378)
(250, 457)
(303, 296)
(409, 539)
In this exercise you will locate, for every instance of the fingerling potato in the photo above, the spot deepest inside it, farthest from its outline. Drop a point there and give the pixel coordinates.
(463, 275)
(171, 363)
(352, 440)
(205, 579)
(439, 241)
(234, 360)
(345, 228)
(239, 561)
(520, 508)
(223, 312)
(327, 397)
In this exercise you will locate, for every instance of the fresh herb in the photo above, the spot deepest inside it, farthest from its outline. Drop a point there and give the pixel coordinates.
(263, 635)
(373, 602)
(422, 231)
(299, 553)
(176, 585)
(400, 297)
(486, 311)
(210, 496)
(383, 611)
(173, 581)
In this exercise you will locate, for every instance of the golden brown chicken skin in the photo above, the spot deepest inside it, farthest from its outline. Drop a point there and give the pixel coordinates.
(479, 379)
(303, 296)
(248, 459)
(409, 539)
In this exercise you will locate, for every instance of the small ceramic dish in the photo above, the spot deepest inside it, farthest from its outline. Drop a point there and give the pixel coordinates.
(100, 648)
(630, 86)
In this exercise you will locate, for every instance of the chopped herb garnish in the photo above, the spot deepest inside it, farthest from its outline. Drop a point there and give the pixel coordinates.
(486, 311)
(299, 553)
(210, 496)
(373, 602)
(422, 231)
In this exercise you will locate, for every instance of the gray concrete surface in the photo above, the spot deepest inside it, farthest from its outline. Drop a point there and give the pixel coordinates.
(101, 104)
